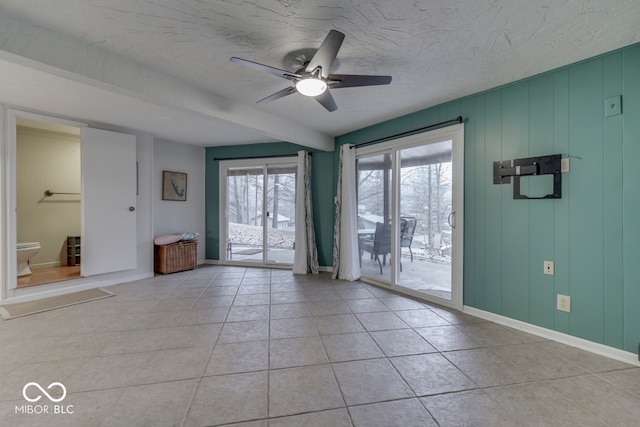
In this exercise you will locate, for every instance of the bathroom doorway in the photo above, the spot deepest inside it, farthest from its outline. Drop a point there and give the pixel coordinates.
(48, 201)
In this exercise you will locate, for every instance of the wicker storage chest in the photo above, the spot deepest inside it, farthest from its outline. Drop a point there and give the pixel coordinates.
(177, 256)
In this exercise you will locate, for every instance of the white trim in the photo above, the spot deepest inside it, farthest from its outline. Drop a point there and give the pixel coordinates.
(223, 213)
(9, 242)
(455, 134)
(40, 293)
(590, 346)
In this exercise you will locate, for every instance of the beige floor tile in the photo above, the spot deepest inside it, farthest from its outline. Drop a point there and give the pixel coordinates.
(346, 347)
(238, 357)
(402, 342)
(540, 405)
(324, 308)
(605, 401)
(292, 328)
(486, 368)
(289, 310)
(381, 321)
(252, 299)
(287, 297)
(124, 370)
(164, 404)
(304, 389)
(255, 347)
(331, 418)
(494, 335)
(79, 409)
(370, 381)
(421, 318)
(625, 379)
(44, 373)
(204, 316)
(448, 338)
(367, 305)
(470, 408)
(244, 331)
(249, 312)
(292, 352)
(431, 374)
(400, 413)
(539, 361)
(227, 399)
(338, 324)
(162, 338)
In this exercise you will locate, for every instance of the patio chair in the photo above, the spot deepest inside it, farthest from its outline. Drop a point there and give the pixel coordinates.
(407, 229)
(380, 245)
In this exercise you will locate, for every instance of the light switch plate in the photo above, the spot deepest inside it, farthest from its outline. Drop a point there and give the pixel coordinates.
(613, 106)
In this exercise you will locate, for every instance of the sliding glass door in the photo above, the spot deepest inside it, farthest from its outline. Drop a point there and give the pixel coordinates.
(258, 211)
(409, 195)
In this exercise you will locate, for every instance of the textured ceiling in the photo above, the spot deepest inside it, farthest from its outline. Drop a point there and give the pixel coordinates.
(163, 65)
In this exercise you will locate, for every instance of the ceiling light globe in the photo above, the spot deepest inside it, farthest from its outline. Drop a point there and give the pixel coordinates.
(311, 86)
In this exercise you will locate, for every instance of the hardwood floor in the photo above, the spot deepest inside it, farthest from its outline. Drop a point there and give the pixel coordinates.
(41, 276)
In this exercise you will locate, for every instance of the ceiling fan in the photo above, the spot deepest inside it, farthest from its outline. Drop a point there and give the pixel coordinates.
(313, 79)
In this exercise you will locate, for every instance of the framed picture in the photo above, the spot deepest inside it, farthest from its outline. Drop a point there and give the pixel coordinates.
(174, 186)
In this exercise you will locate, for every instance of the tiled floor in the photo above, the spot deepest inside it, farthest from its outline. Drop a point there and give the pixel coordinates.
(223, 345)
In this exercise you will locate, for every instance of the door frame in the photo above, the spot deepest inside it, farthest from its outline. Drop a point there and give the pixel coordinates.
(10, 270)
(454, 133)
(223, 213)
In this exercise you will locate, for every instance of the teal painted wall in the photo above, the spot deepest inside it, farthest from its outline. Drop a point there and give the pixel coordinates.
(321, 176)
(592, 233)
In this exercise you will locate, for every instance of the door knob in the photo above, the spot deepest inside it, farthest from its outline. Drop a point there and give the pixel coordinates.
(131, 208)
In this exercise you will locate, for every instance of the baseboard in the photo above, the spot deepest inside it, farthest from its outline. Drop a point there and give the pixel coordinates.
(34, 293)
(600, 349)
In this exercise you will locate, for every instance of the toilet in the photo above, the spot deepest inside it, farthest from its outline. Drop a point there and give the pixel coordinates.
(26, 251)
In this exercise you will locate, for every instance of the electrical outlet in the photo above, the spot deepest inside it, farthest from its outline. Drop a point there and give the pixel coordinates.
(564, 303)
(549, 268)
(564, 165)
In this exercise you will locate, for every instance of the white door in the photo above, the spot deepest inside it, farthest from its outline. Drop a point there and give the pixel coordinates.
(108, 202)
(410, 207)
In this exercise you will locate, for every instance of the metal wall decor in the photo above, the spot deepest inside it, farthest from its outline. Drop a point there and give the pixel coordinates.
(541, 165)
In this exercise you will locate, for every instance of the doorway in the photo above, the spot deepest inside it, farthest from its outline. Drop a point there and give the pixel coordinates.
(101, 194)
(259, 210)
(48, 197)
(410, 209)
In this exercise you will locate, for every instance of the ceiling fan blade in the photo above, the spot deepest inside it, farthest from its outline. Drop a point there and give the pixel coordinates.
(280, 94)
(267, 69)
(326, 53)
(327, 101)
(353, 80)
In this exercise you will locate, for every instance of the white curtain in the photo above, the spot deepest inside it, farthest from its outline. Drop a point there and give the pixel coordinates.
(305, 259)
(346, 262)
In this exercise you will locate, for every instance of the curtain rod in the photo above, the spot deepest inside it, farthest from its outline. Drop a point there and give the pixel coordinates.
(409, 132)
(258, 157)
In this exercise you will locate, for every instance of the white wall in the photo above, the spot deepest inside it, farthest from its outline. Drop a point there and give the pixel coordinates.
(47, 160)
(172, 216)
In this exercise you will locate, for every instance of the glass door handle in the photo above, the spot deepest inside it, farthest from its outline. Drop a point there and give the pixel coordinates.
(452, 216)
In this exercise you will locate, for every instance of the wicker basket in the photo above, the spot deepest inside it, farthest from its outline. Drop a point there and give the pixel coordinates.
(177, 256)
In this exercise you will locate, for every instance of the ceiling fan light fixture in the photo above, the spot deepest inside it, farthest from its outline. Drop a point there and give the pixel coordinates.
(311, 86)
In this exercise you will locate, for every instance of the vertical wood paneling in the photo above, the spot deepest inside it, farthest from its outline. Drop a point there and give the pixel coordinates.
(586, 199)
(470, 206)
(493, 224)
(631, 193)
(612, 203)
(515, 212)
(561, 279)
(481, 179)
(592, 233)
(541, 227)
